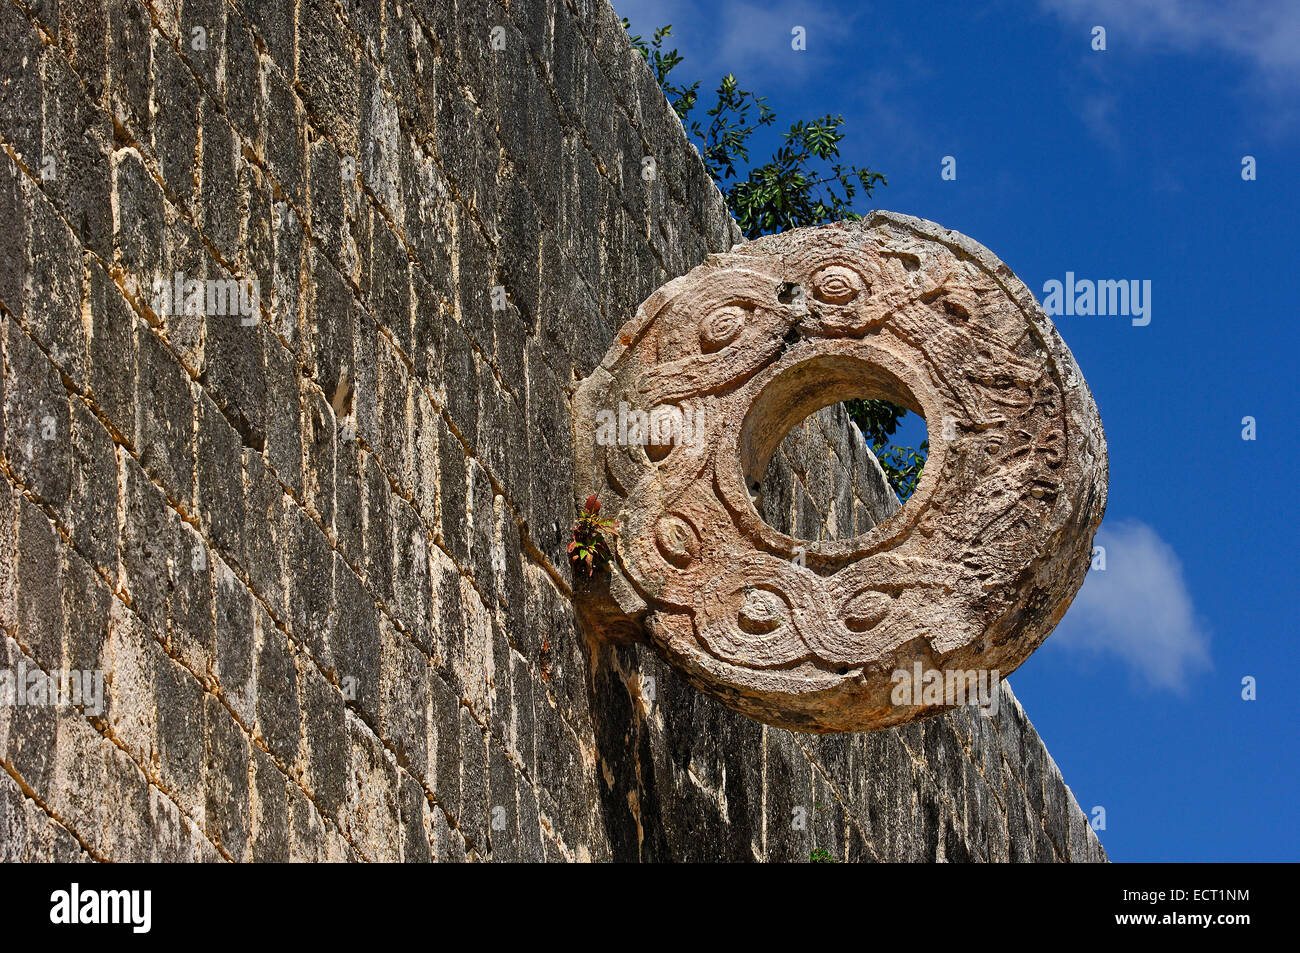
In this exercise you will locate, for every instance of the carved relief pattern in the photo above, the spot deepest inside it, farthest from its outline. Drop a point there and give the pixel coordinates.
(974, 571)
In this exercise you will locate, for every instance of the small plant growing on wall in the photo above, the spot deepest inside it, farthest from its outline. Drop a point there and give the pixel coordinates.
(589, 550)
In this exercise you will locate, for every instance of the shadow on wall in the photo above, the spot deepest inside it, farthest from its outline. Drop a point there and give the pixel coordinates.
(661, 799)
(681, 778)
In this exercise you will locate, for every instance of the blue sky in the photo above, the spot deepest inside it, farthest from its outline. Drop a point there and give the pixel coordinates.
(1116, 164)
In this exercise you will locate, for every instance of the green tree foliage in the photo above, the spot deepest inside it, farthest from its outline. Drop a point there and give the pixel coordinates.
(803, 183)
(878, 420)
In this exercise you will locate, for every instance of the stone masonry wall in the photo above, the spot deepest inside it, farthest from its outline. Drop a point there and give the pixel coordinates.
(823, 481)
(318, 552)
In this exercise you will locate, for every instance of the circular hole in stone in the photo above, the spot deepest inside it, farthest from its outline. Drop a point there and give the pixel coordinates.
(832, 448)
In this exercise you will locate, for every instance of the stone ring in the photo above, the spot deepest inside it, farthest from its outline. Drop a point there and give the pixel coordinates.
(675, 430)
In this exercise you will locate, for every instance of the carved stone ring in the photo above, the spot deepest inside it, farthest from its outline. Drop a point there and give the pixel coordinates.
(675, 430)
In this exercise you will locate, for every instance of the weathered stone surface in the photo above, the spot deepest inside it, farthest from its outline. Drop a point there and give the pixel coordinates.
(320, 558)
(972, 575)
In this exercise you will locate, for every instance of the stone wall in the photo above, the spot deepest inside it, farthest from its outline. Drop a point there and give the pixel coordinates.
(318, 550)
(823, 481)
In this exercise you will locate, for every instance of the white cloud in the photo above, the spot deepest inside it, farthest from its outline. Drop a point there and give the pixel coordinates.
(1138, 609)
(760, 33)
(1263, 33)
(750, 38)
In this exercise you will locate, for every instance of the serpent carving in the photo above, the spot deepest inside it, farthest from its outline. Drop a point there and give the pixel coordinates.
(683, 415)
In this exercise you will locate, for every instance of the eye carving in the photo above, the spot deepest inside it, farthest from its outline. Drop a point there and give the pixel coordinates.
(722, 327)
(677, 541)
(867, 610)
(837, 284)
(762, 611)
